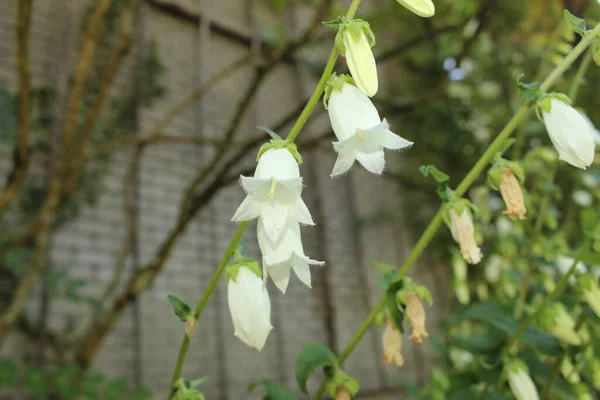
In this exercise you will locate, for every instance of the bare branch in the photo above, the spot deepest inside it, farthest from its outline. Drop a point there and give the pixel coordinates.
(21, 153)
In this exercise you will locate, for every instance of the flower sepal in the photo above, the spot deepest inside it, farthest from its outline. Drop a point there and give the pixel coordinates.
(335, 82)
(544, 103)
(339, 381)
(355, 28)
(280, 144)
(232, 270)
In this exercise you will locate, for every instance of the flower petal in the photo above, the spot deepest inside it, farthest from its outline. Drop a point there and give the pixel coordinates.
(342, 164)
(302, 214)
(273, 218)
(250, 184)
(373, 162)
(280, 274)
(249, 209)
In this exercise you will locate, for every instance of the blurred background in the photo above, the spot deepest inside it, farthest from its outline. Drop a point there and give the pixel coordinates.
(142, 114)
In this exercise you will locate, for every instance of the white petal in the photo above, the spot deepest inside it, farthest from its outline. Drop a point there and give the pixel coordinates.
(361, 62)
(250, 308)
(522, 386)
(294, 184)
(571, 134)
(392, 141)
(273, 219)
(249, 209)
(277, 163)
(373, 162)
(250, 184)
(342, 164)
(302, 214)
(280, 274)
(302, 270)
(351, 109)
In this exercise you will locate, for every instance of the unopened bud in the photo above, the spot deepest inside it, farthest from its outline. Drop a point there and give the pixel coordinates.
(461, 290)
(520, 382)
(512, 195)
(463, 232)
(416, 315)
(560, 324)
(191, 325)
(342, 394)
(392, 345)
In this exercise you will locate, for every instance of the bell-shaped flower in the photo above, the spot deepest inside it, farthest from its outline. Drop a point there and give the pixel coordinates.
(520, 382)
(416, 316)
(463, 232)
(356, 42)
(512, 195)
(423, 8)
(571, 133)
(557, 321)
(392, 344)
(361, 133)
(273, 193)
(284, 254)
(250, 308)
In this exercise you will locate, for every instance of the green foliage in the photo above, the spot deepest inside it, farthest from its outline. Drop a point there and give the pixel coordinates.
(576, 23)
(311, 357)
(274, 390)
(181, 309)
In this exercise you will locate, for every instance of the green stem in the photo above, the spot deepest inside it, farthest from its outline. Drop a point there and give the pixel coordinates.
(314, 99)
(580, 74)
(556, 370)
(547, 300)
(207, 293)
(461, 189)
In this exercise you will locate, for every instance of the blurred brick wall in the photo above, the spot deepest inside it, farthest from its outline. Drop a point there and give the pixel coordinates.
(143, 345)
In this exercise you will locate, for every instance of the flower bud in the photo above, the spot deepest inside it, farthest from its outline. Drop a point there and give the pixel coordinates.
(482, 291)
(512, 195)
(392, 344)
(463, 232)
(416, 315)
(461, 358)
(567, 369)
(591, 291)
(191, 325)
(570, 132)
(520, 382)
(250, 308)
(423, 8)
(461, 291)
(360, 59)
(343, 394)
(560, 324)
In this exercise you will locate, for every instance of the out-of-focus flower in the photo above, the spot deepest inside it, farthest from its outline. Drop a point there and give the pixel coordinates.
(423, 8)
(361, 133)
(250, 308)
(520, 382)
(512, 195)
(416, 316)
(392, 345)
(463, 232)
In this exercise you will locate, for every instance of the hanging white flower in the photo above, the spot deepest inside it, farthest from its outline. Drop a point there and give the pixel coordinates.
(250, 308)
(361, 133)
(356, 40)
(520, 382)
(423, 8)
(571, 133)
(273, 194)
(285, 254)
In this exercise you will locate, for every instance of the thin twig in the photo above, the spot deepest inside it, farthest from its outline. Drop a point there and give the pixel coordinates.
(21, 152)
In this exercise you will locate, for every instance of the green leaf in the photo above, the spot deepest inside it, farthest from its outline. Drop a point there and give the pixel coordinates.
(392, 304)
(8, 373)
(588, 256)
(589, 222)
(35, 382)
(182, 310)
(274, 390)
(385, 281)
(576, 23)
(197, 382)
(90, 386)
(435, 173)
(479, 344)
(312, 356)
(63, 381)
(270, 132)
(530, 91)
(115, 389)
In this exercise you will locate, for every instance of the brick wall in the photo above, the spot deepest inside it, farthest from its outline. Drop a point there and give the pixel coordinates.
(143, 345)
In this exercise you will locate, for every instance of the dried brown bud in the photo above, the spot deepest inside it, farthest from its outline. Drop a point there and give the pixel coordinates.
(416, 315)
(463, 233)
(392, 345)
(342, 394)
(512, 195)
(191, 325)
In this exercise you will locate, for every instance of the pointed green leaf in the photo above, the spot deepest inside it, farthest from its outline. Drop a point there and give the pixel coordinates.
(182, 310)
(312, 356)
(576, 23)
